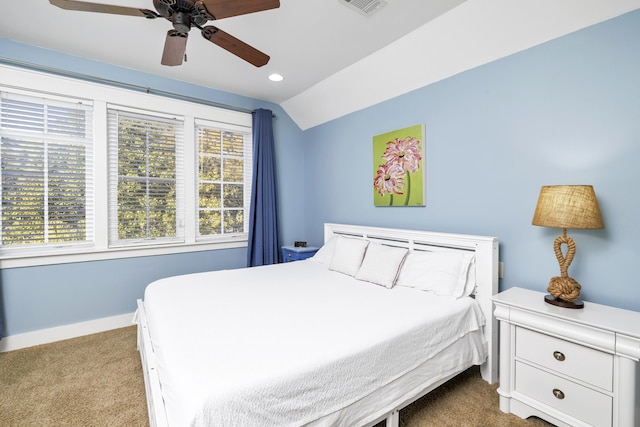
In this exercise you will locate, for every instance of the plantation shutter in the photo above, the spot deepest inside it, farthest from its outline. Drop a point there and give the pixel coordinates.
(146, 201)
(224, 179)
(46, 158)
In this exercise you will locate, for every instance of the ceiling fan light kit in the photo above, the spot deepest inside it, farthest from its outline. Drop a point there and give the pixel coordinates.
(184, 15)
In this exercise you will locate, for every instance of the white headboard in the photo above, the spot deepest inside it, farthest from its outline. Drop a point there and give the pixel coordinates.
(486, 252)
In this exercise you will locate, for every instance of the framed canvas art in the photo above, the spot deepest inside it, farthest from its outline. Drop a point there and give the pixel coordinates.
(398, 168)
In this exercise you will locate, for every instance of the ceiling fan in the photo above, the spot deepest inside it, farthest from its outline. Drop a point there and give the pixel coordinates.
(185, 14)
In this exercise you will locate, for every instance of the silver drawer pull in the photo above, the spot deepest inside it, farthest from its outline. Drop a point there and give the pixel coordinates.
(559, 356)
(558, 393)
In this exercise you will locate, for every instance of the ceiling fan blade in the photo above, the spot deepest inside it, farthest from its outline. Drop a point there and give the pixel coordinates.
(235, 46)
(175, 46)
(225, 8)
(101, 8)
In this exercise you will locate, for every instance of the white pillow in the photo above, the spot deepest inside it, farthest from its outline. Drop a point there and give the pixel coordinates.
(470, 285)
(381, 264)
(348, 255)
(443, 272)
(325, 253)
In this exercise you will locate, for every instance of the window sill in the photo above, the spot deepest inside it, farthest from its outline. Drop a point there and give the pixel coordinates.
(130, 252)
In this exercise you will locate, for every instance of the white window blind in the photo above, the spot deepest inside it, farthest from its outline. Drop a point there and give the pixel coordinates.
(146, 200)
(46, 158)
(224, 179)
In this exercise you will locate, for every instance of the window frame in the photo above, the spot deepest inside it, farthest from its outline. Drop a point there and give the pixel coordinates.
(114, 113)
(247, 171)
(102, 96)
(47, 142)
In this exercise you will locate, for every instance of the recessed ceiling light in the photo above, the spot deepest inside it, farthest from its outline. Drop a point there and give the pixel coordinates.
(276, 77)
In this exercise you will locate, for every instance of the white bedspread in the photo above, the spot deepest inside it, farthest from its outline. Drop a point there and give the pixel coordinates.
(285, 345)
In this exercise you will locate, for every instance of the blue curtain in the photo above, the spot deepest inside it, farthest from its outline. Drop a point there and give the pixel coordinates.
(264, 246)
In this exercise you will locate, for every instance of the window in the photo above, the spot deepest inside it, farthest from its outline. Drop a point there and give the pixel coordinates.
(122, 174)
(145, 178)
(45, 157)
(224, 179)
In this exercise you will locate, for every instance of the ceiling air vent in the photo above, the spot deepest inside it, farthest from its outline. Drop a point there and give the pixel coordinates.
(366, 7)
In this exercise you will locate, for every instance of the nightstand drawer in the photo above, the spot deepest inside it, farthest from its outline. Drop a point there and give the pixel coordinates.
(580, 402)
(586, 364)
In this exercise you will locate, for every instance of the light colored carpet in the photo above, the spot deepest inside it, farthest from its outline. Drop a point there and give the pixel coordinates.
(96, 380)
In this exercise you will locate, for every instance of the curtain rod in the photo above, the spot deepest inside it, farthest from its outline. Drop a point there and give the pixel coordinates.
(72, 74)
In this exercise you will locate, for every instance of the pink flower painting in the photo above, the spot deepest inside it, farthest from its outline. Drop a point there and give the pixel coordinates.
(399, 180)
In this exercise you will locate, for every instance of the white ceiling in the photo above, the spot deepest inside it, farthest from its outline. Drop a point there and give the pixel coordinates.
(334, 59)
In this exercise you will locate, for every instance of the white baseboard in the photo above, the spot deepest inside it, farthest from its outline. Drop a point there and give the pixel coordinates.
(45, 336)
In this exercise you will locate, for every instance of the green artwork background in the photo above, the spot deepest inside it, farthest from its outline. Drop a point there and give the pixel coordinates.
(415, 180)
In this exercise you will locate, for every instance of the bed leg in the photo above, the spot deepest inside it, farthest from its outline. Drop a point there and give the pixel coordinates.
(393, 419)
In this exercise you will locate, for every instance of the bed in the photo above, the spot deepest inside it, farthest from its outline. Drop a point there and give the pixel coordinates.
(375, 320)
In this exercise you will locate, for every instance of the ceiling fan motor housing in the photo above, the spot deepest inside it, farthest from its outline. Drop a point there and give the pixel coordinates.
(181, 13)
(181, 22)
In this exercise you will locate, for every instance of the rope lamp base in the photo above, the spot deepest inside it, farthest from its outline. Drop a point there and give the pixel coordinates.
(564, 290)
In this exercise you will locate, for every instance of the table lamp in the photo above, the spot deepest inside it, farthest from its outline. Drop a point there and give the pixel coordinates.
(566, 206)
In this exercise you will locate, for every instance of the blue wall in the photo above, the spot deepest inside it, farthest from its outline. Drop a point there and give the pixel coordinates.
(565, 112)
(47, 296)
(36, 298)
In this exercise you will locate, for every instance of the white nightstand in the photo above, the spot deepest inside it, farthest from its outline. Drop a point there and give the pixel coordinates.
(571, 367)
